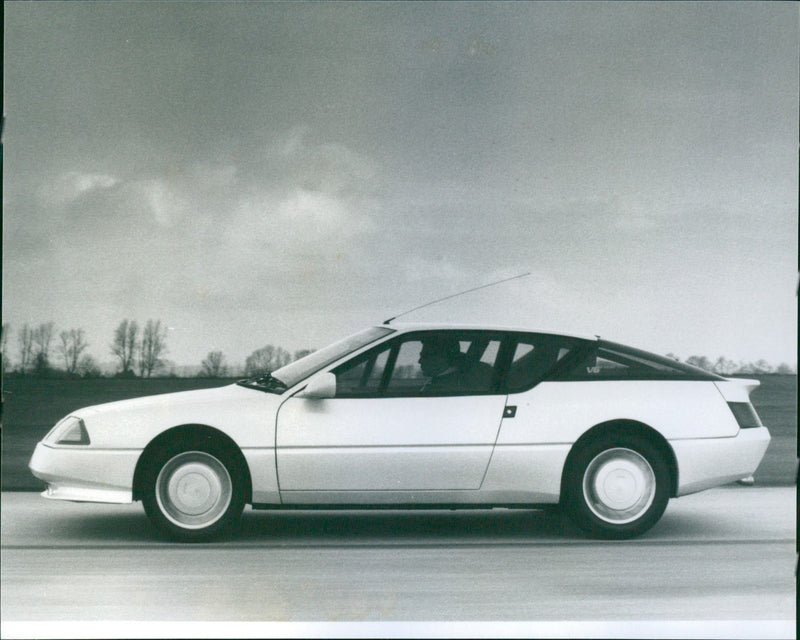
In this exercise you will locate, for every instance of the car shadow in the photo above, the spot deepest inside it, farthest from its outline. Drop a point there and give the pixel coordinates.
(393, 527)
(340, 527)
(374, 527)
(104, 528)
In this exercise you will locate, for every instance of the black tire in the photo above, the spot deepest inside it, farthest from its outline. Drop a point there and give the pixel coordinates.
(616, 486)
(194, 491)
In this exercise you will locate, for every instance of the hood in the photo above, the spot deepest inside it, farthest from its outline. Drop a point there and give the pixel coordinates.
(246, 415)
(175, 400)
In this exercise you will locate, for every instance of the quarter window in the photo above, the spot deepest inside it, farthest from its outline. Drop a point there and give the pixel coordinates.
(611, 361)
(534, 357)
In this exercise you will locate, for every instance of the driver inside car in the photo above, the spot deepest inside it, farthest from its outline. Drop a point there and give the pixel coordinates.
(440, 360)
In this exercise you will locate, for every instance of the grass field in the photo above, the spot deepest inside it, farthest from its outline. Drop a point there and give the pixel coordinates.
(31, 407)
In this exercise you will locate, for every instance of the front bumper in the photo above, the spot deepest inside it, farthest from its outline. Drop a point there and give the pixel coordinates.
(711, 462)
(85, 475)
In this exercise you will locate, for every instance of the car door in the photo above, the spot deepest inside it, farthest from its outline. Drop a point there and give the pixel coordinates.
(388, 430)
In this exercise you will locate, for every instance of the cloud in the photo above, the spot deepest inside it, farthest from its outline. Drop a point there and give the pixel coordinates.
(319, 165)
(165, 204)
(213, 177)
(285, 219)
(294, 142)
(312, 216)
(358, 167)
(71, 185)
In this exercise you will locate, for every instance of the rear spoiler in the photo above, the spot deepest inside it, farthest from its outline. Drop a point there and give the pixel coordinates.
(748, 383)
(737, 389)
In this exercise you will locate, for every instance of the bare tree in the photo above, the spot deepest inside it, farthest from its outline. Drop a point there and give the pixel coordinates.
(6, 362)
(88, 368)
(42, 337)
(724, 367)
(265, 360)
(745, 367)
(214, 365)
(73, 344)
(700, 361)
(762, 366)
(152, 347)
(302, 353)
(25, 339)
(124, 345)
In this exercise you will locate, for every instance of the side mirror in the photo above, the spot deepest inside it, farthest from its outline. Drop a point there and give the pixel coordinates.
(319, 387)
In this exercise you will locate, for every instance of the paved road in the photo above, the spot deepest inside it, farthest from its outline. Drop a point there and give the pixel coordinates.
(717, 557)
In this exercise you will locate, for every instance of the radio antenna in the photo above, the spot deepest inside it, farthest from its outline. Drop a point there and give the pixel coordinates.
(460, 293)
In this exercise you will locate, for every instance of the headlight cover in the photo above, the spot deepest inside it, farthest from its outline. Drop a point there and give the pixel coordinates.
(70, 430)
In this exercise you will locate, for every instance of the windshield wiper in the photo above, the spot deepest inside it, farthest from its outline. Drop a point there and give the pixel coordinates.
(267, 382)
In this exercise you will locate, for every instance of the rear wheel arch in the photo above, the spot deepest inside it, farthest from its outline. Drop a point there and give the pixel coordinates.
(623, 428)
(191, 435)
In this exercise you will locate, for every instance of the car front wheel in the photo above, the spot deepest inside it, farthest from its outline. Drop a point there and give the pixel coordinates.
(194, 493)
(616, 487)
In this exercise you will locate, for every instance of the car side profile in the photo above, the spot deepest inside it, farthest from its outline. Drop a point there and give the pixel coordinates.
(420, 416)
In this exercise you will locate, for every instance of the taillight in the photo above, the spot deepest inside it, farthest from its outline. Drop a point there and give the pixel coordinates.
(745, 415)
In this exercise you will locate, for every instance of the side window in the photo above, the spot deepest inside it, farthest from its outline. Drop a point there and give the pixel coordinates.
(533, 358)
(361, 376)
(450, 363)
(440, 363)
(490, 353)
(407, 377)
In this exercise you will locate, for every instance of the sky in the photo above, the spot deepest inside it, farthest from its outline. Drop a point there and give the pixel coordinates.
(289, 173)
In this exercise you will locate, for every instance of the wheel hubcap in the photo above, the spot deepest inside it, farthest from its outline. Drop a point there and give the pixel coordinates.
(619, 485)
(193, 489)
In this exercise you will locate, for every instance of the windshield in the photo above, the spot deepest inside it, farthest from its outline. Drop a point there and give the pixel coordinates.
(293, 373)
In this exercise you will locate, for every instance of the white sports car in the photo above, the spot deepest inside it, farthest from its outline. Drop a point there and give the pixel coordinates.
(410, 416)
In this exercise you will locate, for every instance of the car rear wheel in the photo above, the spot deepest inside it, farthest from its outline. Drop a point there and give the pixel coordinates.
(194, 492)
(616, 486)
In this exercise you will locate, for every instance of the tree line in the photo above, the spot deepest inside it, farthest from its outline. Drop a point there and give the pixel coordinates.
(725, 367)
(140, 350)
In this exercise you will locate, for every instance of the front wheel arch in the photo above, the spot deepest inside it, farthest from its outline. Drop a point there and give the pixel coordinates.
(189, 433)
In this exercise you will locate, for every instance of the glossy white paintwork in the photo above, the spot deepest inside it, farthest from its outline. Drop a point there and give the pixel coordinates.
(737, 389)
(85, 474)
(119, 431)
(246, 415)
(706, 463)
(261, 463)
(559, 412)
(447, 450)
(523, 473)
(386, 444)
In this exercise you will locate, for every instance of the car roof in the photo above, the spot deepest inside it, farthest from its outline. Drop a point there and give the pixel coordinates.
(430, 326)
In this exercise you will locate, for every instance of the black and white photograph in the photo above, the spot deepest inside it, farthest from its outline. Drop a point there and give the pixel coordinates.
(399, 319)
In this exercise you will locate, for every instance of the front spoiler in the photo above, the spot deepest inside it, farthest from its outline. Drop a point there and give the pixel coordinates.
(82, 474)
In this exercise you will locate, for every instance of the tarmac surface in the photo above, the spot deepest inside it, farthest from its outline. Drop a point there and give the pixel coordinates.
(720, 563)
